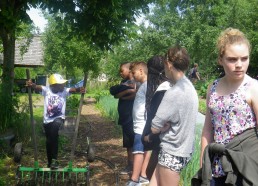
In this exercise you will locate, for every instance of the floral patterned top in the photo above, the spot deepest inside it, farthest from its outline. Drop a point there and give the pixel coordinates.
(230, 115)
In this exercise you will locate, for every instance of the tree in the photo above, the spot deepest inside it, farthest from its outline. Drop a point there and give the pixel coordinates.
(101, 22)
(65, 52)
(195, 25)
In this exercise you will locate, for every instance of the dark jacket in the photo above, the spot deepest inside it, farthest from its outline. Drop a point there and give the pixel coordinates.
(125, 107)
(239, 158)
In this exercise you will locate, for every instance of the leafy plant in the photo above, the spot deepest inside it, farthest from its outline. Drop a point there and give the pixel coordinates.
(202, 86)
(202, 105)
(72, 104)
(108, 106)
(194, 164)
(12, 116)
(100, 94)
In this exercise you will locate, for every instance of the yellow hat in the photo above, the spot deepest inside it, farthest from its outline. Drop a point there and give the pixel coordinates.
(56, 79)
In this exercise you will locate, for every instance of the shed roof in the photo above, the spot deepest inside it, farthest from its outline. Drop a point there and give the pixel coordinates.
(32, 58)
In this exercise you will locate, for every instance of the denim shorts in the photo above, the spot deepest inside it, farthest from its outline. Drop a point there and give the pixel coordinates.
(174, 163)
(138, 147)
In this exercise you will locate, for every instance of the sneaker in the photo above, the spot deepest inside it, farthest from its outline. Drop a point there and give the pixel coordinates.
(132, 183)
(127, 170)
(54, 164)
(143, 180)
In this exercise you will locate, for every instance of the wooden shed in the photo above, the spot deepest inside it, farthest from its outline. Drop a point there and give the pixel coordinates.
(32, 58)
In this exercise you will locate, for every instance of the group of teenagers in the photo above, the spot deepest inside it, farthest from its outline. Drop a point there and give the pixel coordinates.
(158, 108)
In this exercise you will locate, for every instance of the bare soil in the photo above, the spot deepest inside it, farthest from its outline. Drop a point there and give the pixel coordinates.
(108, 145)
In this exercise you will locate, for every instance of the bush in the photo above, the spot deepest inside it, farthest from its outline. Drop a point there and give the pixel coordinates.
(14, 115)
(72, 104)
(202, 106)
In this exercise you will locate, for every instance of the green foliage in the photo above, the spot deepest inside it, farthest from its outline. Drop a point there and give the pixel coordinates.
(62, 51)
(194, 164)
(2, 171)
(72, 102)
(101, 94)
(62, 142)
(97, 89)
(202, 106)
(92, 24)
(72, 105)
(108, 105)
(195, 25)
(201, 87)
(13, 115)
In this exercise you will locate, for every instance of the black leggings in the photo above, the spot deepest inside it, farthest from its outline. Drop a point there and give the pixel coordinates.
(51, 131)
(221, 181)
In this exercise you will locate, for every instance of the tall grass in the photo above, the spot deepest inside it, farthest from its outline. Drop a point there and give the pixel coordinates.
(194, 164)
(109, 107)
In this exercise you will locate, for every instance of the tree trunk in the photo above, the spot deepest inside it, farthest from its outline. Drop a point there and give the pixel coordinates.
(6, 104)
(8, 38)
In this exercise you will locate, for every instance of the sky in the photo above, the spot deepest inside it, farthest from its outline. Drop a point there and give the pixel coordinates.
(40, 22)
(37, 18)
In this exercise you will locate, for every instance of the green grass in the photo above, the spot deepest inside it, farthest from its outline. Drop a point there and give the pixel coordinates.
(202, 106)
(108, 107)
(194, 164)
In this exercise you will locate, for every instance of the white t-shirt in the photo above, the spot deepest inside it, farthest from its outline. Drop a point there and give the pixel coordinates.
(54, 104)
(139, 118)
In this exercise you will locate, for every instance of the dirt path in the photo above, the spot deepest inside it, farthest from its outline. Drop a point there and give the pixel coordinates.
(104, 136)
(107, 143)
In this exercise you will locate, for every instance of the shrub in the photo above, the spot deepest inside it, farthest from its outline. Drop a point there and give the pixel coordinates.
(72, 104)
(14, 115)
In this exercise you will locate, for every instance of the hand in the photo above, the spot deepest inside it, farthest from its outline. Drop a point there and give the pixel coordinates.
(146, 138)
(165, 127)
(29, 83)
(82, 90)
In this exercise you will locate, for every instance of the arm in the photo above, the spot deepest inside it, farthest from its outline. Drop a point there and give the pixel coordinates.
(254, 100)
(161, 130)
(29, 83)
(131, 92)
(167, 114)
(155, 132)
(207, 131)
(81, 90)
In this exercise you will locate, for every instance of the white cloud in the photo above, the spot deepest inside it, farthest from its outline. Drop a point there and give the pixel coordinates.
(37, 18)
